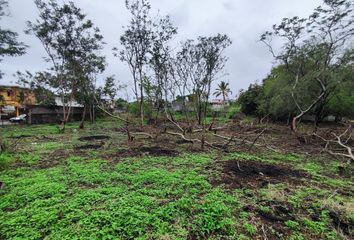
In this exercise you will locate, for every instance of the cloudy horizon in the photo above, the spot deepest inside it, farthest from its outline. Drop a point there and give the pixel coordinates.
(243, 21)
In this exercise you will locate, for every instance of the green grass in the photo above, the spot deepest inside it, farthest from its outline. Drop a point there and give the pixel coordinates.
(54, 192)
(136, 198)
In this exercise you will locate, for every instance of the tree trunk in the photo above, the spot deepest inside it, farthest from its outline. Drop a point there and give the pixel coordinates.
(93, 113)
(295, 120)
(199, 115)
(141, 99)
(83, 118)
(142, 109)
(90, 114)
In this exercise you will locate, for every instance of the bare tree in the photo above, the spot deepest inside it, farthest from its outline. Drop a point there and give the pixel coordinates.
(137, 42)
(191, 67)
(200, 62)
(161, 61)
(212, 49)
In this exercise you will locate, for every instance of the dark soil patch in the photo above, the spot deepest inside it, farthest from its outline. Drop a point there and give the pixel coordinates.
(279, 212)
(94, 138)
(55, 158)
(240, 174)
(21, 136)
(346, 226)
(88, 146)
(182, 141)
(273, 218)
(340, 223)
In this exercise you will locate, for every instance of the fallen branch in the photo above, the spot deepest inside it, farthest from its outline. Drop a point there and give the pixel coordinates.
(244, 141)
(338, 140)
(255, 140)
(172, 121)
(192, 140)
(142, 134)
(210, 129)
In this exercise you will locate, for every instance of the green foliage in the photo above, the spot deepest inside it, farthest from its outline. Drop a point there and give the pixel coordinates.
(297, 199)
(54, 192)
(249, 100)
(293, 225)
(80, 200)
(277, 100)
(5, 159)
(233, 110)
(342, 102)
(44, 96)
(134, 108)
(312, 168)
(121, 104)
(317, 227)
(264, 209)
(312, 68)
(222, 90)
(250, 229)
(215, 216)
(296, 236)
(30, 159)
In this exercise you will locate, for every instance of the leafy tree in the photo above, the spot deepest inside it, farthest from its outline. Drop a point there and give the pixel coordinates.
(35, 82)
(342, 102)
(44, 96)
(9, 45)
(275, 100)
(222, 90)
(249, 100)
(110, 88)
(312, 52)
(121, 104)
(72, 45)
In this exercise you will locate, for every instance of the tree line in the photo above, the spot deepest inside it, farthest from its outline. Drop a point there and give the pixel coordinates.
(314, 72)
(73, 46)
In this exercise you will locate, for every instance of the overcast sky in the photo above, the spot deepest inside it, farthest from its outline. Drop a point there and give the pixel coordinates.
(242, 20)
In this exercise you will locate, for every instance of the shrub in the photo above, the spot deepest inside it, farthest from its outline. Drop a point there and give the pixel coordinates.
(134, 108)
(233, 110)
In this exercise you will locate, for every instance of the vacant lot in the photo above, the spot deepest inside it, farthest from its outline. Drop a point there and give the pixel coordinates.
(93, 184)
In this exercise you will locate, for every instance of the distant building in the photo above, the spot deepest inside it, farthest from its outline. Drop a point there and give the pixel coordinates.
(178, 106)
(53, 114)
(14, 99)
(186, 102)
(218, 104)
(59, 103)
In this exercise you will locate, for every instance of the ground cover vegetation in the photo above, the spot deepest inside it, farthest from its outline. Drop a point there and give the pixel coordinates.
(92, 183)
(169, 166)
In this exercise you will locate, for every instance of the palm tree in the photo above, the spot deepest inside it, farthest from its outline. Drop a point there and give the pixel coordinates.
(223, 89)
